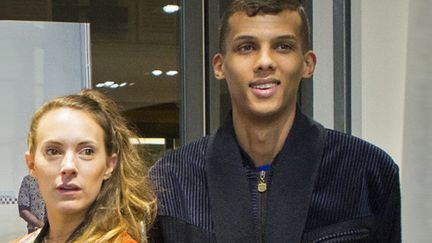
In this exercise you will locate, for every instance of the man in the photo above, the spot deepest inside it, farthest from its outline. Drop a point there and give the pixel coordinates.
(30, 204)
(271, 174)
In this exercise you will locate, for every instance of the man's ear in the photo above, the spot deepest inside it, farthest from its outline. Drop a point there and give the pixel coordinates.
(30, 163)
(218, 66)
(310, 62)
(111, 164)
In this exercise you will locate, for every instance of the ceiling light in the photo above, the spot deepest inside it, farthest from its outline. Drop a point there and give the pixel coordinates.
(157, 72)
(123, 84)
(131, 84)
(170, 8)
(171, 73)
(114, 86)
(108, 83)
(100, 85)
(148, 141)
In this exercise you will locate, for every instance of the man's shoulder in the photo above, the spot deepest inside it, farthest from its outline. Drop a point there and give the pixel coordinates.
(351, 148)
(179, 179)
(187, 156)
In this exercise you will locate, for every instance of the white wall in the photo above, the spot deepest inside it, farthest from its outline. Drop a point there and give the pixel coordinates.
(417, 140)
(393, 71)
(38, 60)
(379, 43)
(383, 73)
(323, 77)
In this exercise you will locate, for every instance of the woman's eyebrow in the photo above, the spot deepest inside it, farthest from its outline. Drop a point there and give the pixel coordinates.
(51, 142)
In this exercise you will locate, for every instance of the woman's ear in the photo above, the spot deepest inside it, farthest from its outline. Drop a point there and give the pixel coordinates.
(30, 163)
(111, 164)
(310, 62)
(218, 66)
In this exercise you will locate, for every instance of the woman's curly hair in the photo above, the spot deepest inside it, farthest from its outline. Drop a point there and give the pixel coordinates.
(126, 202)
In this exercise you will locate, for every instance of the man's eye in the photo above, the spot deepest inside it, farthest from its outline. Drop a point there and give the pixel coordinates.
(246, 48)
(284, 47)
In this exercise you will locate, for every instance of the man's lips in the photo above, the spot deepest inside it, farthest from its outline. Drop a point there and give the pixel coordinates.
(264, 88)
(264, 84)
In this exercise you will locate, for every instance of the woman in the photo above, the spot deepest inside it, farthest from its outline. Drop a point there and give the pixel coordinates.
(91, 177)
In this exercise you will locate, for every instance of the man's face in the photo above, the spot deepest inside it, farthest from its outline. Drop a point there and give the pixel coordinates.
(264, 63)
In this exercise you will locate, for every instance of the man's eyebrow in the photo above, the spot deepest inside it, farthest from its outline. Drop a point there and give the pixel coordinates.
(244, 37)
(287, 37)
(251, 37)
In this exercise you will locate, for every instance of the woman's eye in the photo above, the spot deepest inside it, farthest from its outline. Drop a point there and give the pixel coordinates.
(87, 152)
(53, 152)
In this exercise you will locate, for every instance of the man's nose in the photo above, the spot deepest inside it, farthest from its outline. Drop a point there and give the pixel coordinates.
(265, 60)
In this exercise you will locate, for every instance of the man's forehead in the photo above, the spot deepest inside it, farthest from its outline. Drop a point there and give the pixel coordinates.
(284, 13)
(287, 21)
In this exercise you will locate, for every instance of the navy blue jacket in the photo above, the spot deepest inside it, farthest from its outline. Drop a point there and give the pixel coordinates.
(326, 186)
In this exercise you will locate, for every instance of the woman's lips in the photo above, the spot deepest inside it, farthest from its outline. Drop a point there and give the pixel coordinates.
(68, 189)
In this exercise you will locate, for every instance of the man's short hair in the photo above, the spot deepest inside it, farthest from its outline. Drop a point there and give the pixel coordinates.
(255, 7)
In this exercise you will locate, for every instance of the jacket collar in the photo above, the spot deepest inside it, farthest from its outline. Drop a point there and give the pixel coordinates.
(294, 172)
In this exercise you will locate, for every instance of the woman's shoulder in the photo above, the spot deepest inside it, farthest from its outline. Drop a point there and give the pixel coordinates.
(125, 238)
(30, 238)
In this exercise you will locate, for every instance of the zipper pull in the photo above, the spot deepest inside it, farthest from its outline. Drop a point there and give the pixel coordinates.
(262, 185)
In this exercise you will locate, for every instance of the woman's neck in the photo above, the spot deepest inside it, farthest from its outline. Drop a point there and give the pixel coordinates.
(62, 226)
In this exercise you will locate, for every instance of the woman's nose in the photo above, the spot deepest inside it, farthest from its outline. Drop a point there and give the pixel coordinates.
(68, 166)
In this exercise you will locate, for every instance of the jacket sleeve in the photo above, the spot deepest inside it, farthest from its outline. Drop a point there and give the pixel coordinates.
(155, 233)
(389, 228)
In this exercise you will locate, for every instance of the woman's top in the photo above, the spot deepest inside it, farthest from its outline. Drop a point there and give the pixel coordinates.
(31, 238)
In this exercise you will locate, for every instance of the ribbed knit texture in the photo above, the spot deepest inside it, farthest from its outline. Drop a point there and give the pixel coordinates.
(188, 172)
(347, 163)
(354, 180)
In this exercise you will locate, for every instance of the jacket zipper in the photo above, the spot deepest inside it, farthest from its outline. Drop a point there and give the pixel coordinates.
(262, 194)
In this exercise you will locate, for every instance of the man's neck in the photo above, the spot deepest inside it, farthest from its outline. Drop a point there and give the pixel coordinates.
(262, 139)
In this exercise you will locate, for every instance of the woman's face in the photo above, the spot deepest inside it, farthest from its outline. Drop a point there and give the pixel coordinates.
(70, 161)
